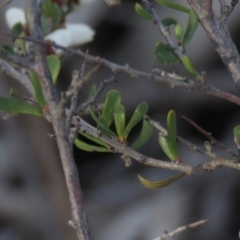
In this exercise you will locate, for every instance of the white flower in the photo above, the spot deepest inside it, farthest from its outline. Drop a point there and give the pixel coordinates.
(72, 35)
(14, 15)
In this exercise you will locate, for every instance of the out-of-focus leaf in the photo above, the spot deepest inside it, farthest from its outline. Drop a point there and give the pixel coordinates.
(37, 88)
(12, 105)
(8, 48)
(164, 54)
(178, 31)
(88, 147)
(48, 9)
(172, 5)
(236, 133)
(54, 66)
(137, 116)
(119, 118)
(113, 98)
(166, 22)
(159, 184)
(144, 136)
(16, 29)
(191, 27)
(142, 12)
(92, 91)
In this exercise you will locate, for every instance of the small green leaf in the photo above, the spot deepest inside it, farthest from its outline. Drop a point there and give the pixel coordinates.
(172, 135)
(178, 31)
(113, 98)
(119, 118)
(94, 139)
(16, 29)
(37, 88)
(165, 147)
(102, 125)
(142, 12)
(164, 54)
(8, 48)
(57, 18)
(54, 66)
(159, 184)
(48, 9)
(137, 116)
(166, 22)
(13, 105)
(92, 91)
(191, 27)
(88, 147)
(172, 5)
(144, 136)
(188, 65)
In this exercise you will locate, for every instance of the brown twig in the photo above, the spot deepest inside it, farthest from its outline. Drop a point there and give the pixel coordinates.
(181, 229)
(219, 35)
(190, 85)
(65, 149)
(211, 138)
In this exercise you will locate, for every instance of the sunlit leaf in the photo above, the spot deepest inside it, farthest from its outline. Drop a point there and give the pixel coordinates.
(159, 184)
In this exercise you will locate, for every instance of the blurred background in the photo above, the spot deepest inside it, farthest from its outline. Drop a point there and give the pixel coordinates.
(33, 198)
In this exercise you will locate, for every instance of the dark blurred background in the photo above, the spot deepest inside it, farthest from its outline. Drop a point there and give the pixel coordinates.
(33, 197)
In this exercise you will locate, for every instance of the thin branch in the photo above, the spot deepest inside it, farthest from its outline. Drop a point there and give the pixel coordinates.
(65, 149)
(219, 35)
(211, 138)
(97, 94)
(117, 147)
(163, 30)
(181, 229)
(5, 2)
(6, 68)
(190, 85)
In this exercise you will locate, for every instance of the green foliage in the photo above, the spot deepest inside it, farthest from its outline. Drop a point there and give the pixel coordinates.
(113, 110)
(54, 65)
(169, 143)
(37, 88)
(167, 22)
(159, 184)
(16, 29)
(178, 31)
(188, 65)
(141, 12)
(172, 5)
(144, 136)
(164, 54)
(13, 105)
(191, 27)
